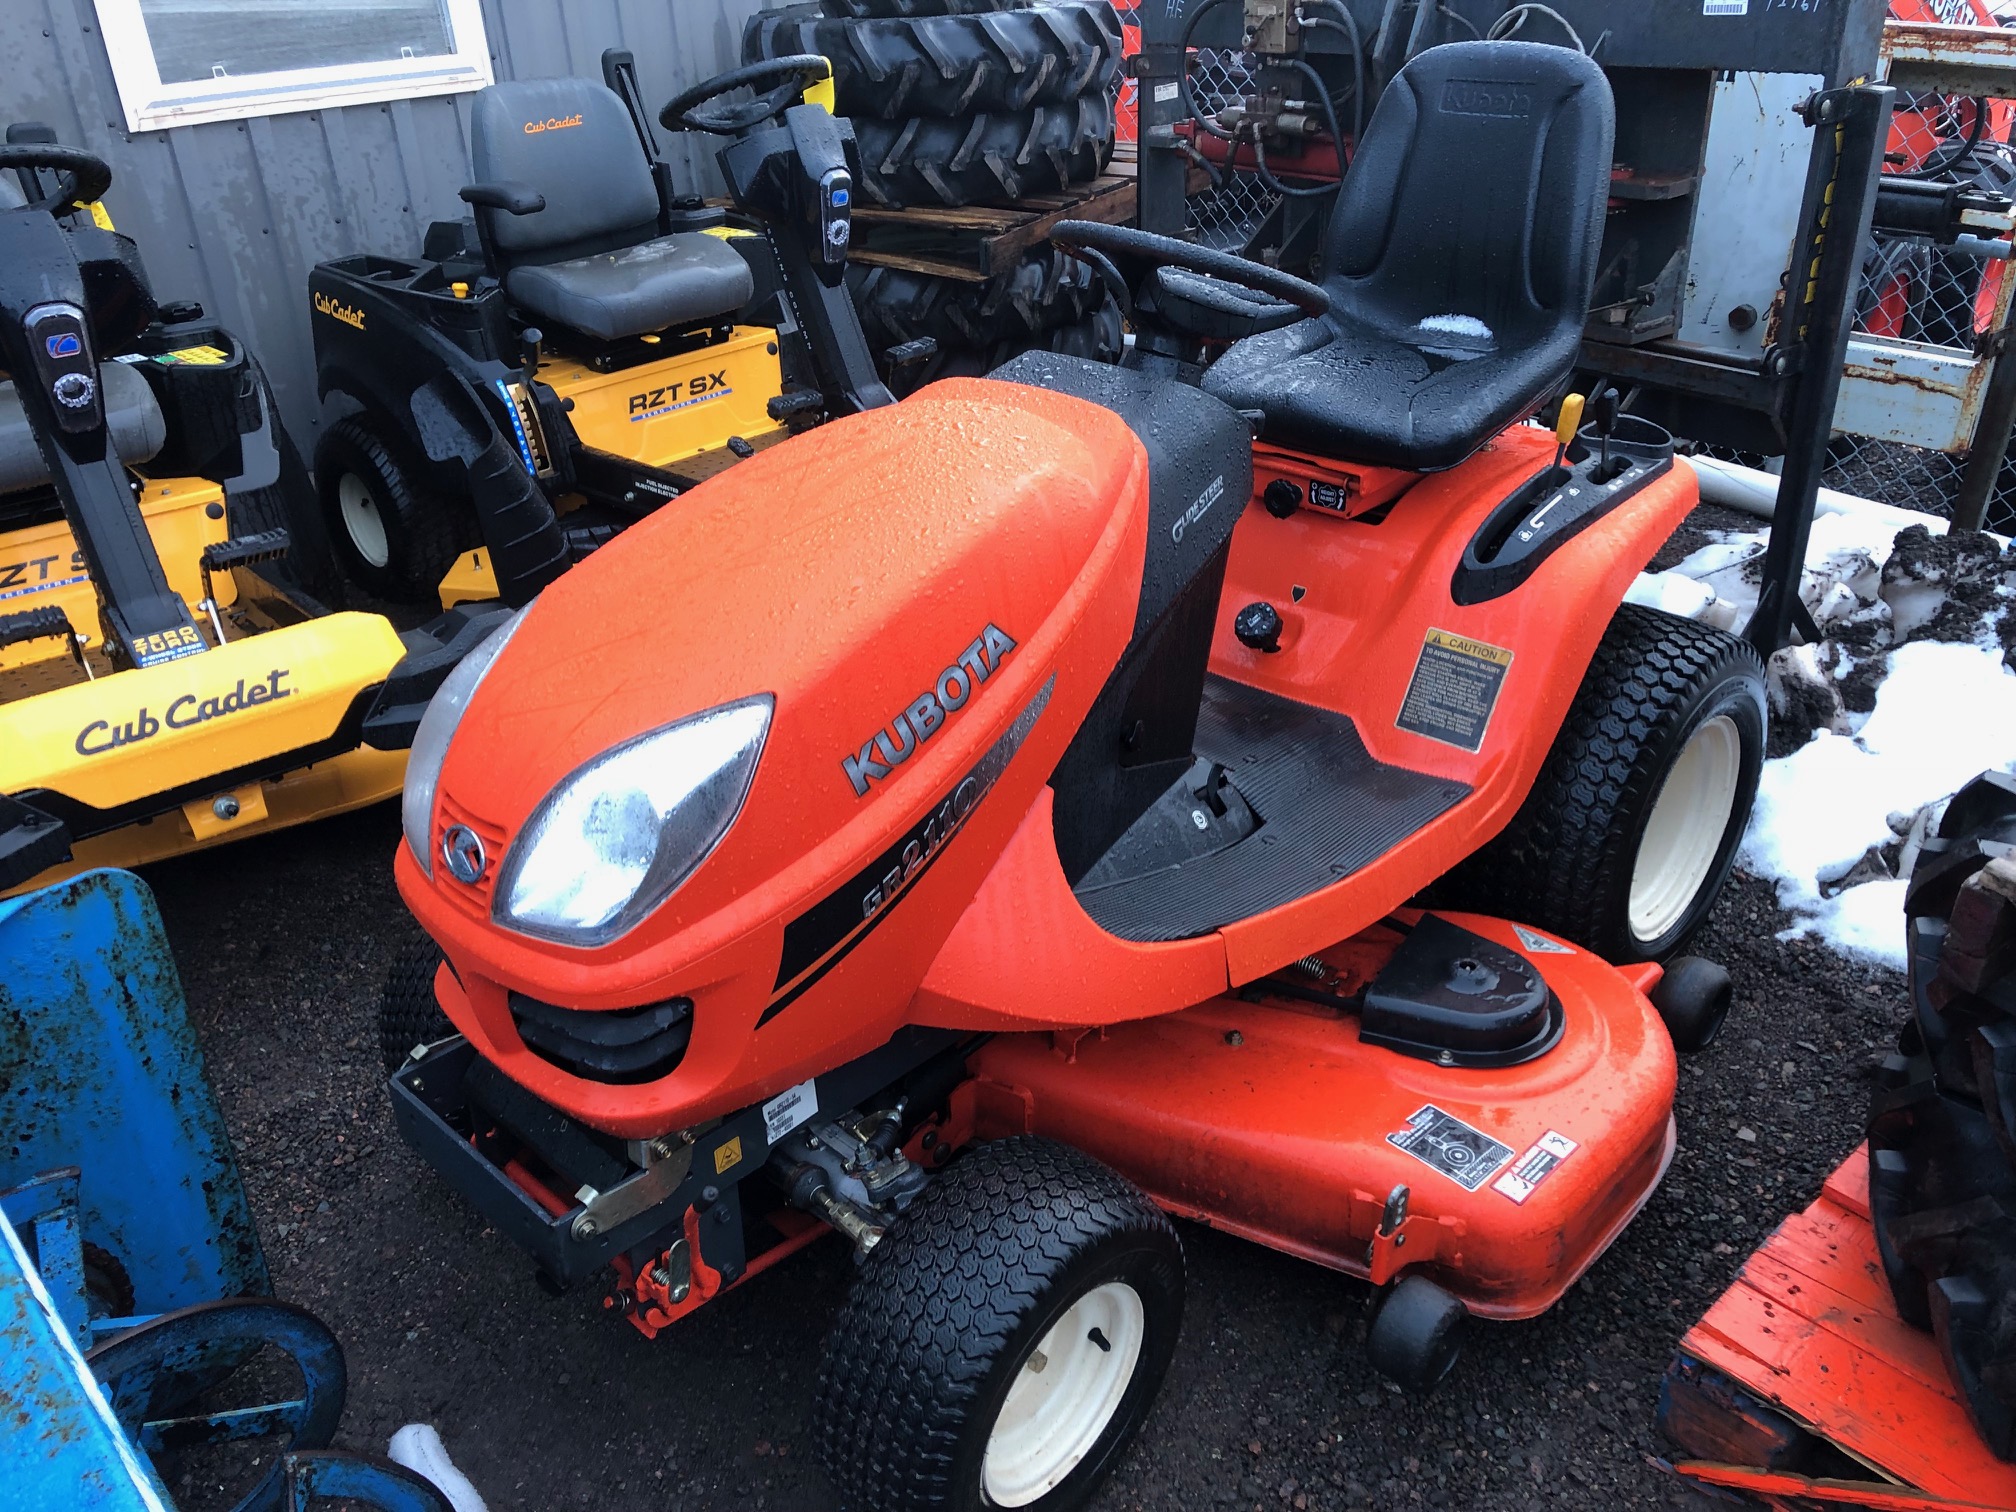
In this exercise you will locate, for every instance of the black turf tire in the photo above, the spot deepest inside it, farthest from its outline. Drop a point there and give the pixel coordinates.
(985, 157)
(1417, 1335)
(953, 65)
(424, 532)
(408, 1014)
(1566, 861)
(947, 1309)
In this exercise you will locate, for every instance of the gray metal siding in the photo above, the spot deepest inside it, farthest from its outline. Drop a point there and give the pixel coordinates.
(233, 213)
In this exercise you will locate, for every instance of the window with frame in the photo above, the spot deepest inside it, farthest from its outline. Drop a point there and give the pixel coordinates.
(179, 62)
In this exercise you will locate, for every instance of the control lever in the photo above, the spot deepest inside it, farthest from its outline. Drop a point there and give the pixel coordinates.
(531, 336)
(1566, 424)
(1605, 407)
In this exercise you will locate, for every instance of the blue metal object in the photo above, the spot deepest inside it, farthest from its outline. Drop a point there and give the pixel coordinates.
(60, 1446)
(147, 1371)
(100, 1071)
(370, 1482)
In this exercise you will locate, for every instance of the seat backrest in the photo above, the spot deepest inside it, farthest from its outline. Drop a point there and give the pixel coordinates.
(1478, 193)
(570, 139)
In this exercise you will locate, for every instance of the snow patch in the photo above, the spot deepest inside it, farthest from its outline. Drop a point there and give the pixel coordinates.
(1457, 325)
(1944, 713)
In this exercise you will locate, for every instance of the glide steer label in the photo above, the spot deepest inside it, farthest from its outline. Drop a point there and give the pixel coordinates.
(183, 713)
(925, 715)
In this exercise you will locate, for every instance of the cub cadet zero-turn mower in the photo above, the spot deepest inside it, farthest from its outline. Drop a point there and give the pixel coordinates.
(162, 686)
(602, 346)
(1022, 787)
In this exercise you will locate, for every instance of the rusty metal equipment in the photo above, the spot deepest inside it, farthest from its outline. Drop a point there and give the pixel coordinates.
(132, 1283)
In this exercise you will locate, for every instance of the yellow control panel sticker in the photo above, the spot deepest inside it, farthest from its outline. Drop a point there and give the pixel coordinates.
(727, 1156)
(194, 356)
(1454, 689)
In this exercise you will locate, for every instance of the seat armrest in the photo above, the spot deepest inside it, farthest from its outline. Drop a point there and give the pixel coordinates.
(515, 199)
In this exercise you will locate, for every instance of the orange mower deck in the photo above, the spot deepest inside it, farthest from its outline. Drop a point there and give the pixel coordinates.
(1271, 1119)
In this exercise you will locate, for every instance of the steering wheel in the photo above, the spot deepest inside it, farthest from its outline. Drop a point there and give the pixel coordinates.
(84, 177)
(1158, 280)
(792, 76)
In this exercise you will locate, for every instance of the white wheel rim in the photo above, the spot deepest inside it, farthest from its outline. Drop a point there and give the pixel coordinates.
(366, 527)
(1689, 819)
(1065, 1393)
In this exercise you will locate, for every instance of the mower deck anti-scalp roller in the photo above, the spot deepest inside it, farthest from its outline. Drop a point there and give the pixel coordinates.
(1030, 840)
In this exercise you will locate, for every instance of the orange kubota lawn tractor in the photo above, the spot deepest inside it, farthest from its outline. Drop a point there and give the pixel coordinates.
(991, 823)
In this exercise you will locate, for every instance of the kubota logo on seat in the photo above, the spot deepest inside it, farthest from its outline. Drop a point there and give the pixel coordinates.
(887, 749)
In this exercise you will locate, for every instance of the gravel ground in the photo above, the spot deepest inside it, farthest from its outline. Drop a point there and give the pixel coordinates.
(549, 1404)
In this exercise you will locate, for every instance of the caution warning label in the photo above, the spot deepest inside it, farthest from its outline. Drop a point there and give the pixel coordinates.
(1454, 689)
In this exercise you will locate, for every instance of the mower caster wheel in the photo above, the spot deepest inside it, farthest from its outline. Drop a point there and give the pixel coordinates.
(1003, 1343)
(1693, 998)
(1416, 1335)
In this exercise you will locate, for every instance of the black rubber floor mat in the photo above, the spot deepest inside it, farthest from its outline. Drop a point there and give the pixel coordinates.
(1327, 807)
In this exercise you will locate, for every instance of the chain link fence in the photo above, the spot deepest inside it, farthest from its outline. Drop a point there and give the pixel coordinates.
(1941, 297)
(1226, 215)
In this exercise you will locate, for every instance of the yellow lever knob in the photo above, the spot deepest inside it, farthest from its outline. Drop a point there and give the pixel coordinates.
(1570, 420)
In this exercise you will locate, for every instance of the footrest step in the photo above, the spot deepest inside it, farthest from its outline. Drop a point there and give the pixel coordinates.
(35, 624)
(243, 551)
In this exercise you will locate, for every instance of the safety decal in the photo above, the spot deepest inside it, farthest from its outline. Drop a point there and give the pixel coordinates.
(1454, 689)
(1535, 1166)
(1469, 1157)
(790, 1108)
(727, 1155)
(1539, 944)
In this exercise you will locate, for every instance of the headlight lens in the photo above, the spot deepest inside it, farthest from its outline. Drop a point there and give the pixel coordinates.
(437, 729)
(613, 840)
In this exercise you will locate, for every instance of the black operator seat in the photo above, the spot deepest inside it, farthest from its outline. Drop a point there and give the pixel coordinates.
(592, 258)
(1459, 263)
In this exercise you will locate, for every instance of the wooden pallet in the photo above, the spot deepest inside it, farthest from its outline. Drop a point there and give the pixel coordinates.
(974, 242)
(1806, 1350)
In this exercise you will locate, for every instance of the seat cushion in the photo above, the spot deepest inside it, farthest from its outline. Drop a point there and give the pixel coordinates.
(1422, 399)
(1459, 263)
(132, 419)
(671, 283)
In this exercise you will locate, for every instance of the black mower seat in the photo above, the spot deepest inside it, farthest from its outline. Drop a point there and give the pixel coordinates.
(1460, 262)
(592, 259)
(132, 418)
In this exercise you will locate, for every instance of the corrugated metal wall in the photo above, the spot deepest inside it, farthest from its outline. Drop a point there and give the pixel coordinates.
(233, 213)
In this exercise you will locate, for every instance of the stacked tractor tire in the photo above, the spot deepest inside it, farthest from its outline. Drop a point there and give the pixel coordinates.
(957, 102)
(1942, 1136)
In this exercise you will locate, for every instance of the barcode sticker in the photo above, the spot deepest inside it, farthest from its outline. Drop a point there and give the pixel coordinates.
(1725, 7)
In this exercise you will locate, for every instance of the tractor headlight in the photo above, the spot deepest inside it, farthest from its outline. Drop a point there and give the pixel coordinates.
(616, 837)
(437, 728)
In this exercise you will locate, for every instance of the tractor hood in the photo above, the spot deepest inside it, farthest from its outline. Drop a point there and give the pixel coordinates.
(875, 602)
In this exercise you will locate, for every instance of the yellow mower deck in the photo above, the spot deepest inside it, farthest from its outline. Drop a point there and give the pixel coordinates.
(207, 748)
